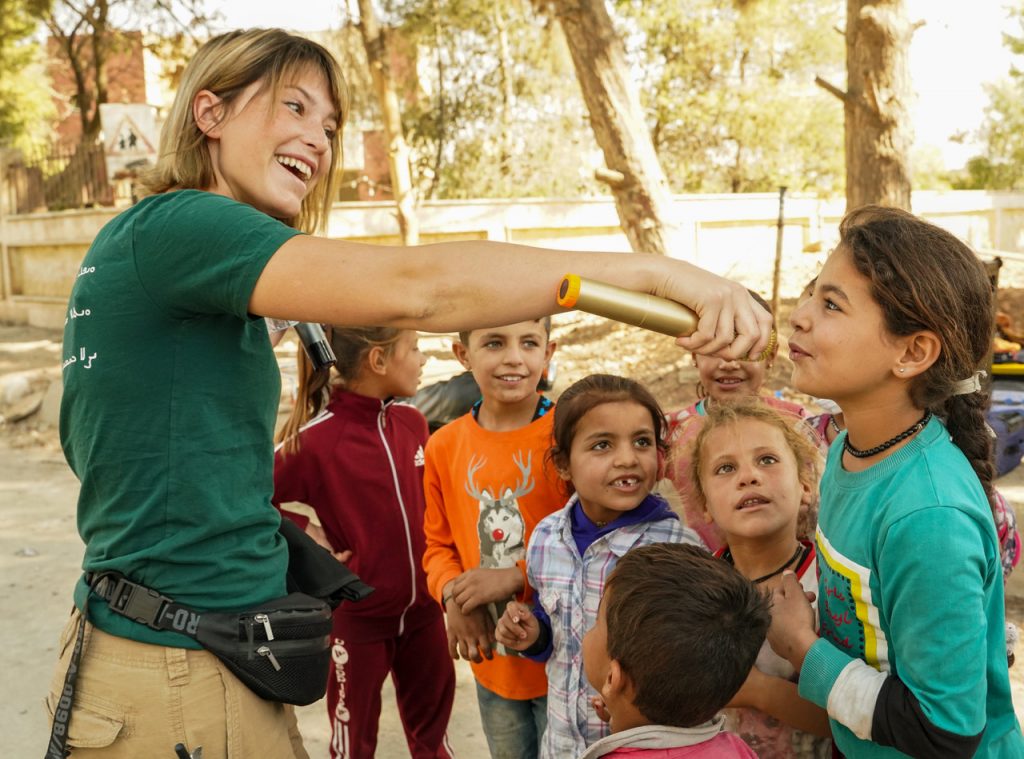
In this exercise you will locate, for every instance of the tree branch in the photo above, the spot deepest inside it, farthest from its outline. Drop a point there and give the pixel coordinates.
(610, 177)
(829, 87)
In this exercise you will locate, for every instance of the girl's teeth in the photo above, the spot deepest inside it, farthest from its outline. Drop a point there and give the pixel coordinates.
(292, 163)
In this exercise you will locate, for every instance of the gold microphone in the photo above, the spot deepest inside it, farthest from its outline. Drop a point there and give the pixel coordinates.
(639, 309)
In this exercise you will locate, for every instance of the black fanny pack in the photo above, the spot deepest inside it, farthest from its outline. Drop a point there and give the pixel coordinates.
(281, 649)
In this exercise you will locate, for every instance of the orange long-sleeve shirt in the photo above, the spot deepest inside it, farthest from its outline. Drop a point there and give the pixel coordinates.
(485, 491)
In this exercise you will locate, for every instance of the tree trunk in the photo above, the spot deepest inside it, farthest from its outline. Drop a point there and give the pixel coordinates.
(633, 173)
(507, 98)
(876, 104)
(100, 42)
(398, 149)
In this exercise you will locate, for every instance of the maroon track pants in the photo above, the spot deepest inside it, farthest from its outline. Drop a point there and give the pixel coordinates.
(424, 679)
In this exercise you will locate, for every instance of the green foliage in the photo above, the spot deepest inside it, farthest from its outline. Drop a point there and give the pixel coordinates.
(928, 172)
(25, 104)
(729, 90)
(728, 87)
(1001, 164)
(497, 111)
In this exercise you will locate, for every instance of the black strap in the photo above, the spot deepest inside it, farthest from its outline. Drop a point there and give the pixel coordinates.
(143, 605)
(57, 746)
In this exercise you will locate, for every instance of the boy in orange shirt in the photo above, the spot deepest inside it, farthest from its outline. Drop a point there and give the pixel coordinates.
(487, 485)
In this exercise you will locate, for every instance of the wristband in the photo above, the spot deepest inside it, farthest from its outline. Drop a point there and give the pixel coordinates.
(445, 598)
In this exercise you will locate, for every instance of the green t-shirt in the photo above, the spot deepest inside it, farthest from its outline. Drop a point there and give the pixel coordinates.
(170, 398)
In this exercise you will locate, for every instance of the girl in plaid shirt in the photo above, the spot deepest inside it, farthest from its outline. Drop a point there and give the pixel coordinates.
(608, 443)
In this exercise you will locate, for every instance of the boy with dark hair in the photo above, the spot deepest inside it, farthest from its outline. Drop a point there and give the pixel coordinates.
(676, 635)
(486, 487)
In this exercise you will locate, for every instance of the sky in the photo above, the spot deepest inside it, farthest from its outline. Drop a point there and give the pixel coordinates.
(957, 50)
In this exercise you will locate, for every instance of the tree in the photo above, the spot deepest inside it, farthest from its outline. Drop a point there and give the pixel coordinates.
(876, 103)
(25, 105)
(87, 34)
(1001, 165)
(377, 56)
(633, 173)
(494, 110)
(727, 87)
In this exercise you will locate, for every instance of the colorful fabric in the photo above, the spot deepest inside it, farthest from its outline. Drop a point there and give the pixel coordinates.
(708, 741)
(569, 587)
(769, 738)
(417, 661)
(921, 658)
(485, 491)
(360, 466)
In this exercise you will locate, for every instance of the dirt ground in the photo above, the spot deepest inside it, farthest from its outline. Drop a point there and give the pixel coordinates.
(40, 552)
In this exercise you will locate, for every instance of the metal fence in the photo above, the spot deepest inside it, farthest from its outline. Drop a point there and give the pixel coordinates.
(58, 178)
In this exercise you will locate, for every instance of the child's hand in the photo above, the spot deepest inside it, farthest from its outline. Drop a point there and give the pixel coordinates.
(517, 629)
(599, 706)
(476, 587)
(319, 536)
(470, 636)
(792, 632)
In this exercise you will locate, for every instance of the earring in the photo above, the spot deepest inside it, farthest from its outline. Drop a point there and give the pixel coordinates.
(902, 369)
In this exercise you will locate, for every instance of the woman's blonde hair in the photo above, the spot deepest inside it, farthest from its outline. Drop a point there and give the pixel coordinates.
(227, 65)
(807, 454)
(351, 346)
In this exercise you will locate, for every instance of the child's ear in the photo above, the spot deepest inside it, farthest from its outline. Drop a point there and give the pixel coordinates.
(377, 360)
(619, 685)
(208, 112)
(807, 495)
(550, 350)
(563, 472)
(921, 350)
(461, 354)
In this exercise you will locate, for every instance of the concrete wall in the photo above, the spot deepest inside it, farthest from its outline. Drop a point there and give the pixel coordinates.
(733, 235)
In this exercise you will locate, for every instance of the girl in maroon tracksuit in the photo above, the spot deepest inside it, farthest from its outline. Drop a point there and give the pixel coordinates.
(359, 463)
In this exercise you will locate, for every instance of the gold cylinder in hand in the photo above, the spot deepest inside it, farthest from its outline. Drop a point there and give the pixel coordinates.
(639, 309)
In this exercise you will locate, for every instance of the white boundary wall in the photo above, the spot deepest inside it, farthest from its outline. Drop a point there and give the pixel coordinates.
(733, 235)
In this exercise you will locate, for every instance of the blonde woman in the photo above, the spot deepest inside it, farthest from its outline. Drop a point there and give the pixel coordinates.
(171, 386)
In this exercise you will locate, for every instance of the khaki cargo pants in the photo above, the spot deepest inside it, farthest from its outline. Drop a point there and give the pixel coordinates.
(138, 700)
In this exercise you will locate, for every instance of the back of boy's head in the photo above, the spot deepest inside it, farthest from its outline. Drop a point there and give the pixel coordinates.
(593, 391)
(544, 321)
(924, 278)
(351, 345)
(685, 627)
(808, 456)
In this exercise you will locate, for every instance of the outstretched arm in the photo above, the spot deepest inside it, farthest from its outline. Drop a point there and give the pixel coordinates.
(779, 698)
(468, 284)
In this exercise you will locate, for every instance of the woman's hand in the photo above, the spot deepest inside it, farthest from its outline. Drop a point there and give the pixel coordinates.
(791, 634)
(731, 324)
(517, 629)
(476, 587)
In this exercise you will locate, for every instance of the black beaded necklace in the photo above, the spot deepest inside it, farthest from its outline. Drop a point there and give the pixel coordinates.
(915, 427)
(801, 551)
